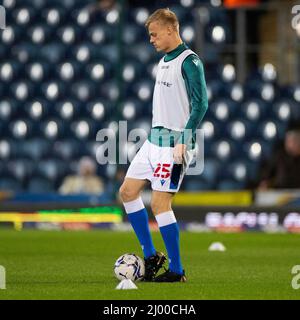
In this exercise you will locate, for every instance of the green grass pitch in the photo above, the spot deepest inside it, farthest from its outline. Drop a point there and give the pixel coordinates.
(79, 265)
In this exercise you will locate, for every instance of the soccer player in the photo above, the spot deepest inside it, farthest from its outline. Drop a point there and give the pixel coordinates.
(179, 104)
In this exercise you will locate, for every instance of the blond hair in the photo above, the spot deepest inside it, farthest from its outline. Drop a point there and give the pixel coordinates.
(165, 16)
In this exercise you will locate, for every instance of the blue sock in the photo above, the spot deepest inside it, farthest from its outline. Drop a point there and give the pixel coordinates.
(138, 217)
(170, 232)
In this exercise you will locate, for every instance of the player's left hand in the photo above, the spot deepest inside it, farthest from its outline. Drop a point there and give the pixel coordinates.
(178, 153)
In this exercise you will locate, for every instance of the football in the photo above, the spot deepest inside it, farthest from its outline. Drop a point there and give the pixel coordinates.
(129, 266)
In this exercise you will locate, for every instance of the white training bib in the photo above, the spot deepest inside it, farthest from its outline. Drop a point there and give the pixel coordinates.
(171, 108)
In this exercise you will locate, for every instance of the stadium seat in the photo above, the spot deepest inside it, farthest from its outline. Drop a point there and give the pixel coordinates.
(51, 169)
(110, 90)
(69, 149)
(22, 90)
(10, 71)
(21, 129)
(40, 34)
(223, 109)
(24, 16)
(196, 184)
(40, 185)
(100, 34)
(20, 169)
(8, 109)
(68, 70)
(133, 34)
(8, 148)
(228, 185)
(54, 16)
(254, 110)
(53, 128)
(53, 90)
(37, 109)
(210, 171)
(223, 150)
(10, 184)
(52, 52)
(69, 34)
(84, 129)
(240, 129)
(84, 90)
(139, 15)
(99, 109)
(36, 148)
(99, 71)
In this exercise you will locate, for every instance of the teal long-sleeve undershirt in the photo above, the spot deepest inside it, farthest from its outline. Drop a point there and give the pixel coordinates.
(193, 74)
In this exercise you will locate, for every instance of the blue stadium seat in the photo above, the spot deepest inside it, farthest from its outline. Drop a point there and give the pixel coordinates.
(213, 129)
(24, 16)
(133, 34)
(68, 70)
(210, 171)
(223, 150)
(53, 128)
(54, 16)
(132, 71)
(101, 34)
(21, 129)
(69, 34)
(188, 34)
(257, 149)
(196, 184)
(139, 15)
(40, 34)
(223, 109)
(52, 169)
(284, 110)
(40, 185)
(240, 129)
(69, 149)
(143, 90)
(22, 90)
(38, 71)
(36, 148)
(84, 129)
(52, 52)
(227, 185)
(99, 71)
(84, 90)
(10, 184)
(10, 70)
(254, 110)
(99, 109)
(109, 90)
(26, 52)
(53, 90)
(68, 109)
(37, 109)
(8, 109)
(20, 169)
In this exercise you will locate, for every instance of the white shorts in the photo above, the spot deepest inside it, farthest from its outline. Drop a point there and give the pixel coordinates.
(156, 164)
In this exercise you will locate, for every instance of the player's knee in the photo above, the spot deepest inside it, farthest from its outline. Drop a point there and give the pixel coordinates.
(158, 207)
(126, 194)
